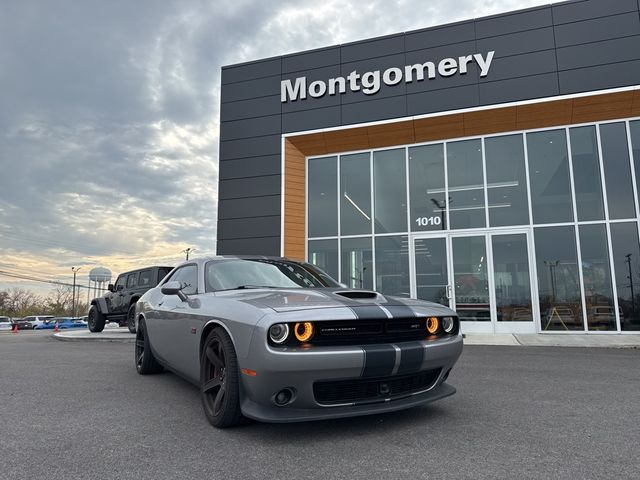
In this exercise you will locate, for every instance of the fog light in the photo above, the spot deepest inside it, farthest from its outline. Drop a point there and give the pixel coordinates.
(283, 397)
(432, 325)
(448, 324)
(303, 331)
(279, 332)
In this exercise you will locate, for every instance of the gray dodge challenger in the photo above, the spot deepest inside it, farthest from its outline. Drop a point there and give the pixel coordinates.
(278, 340)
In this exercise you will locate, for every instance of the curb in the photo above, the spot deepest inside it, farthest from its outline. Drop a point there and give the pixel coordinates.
(95, 337)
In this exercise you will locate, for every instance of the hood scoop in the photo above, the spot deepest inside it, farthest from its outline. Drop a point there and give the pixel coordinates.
(358, 294)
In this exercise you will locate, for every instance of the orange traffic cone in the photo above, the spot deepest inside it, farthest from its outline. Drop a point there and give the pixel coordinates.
(55, 327)
(14, 329)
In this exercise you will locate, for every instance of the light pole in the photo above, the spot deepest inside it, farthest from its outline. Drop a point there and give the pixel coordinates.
(187, 251)
(73, 295)
(633, 302)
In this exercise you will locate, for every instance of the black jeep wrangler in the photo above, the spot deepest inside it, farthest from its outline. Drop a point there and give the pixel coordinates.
(119, 304)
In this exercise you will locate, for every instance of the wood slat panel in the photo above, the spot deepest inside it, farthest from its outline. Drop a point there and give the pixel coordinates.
(635, 105)
(602, 107)
(547, 114)
(438, 128)
(489, 121)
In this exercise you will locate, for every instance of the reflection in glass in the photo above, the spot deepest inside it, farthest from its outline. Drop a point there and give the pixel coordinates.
(324, 254)
(323, 195)
(511, 272)
(549, 177)
(390, 191)
(558, 279)
(601, 314)
(506, 181)
(355, 194)
(470, 278)
(586, 173)
(392, 265)
(466, 184)
(357, 263)
(617, 173)
(626, 260)
(431, 270)
(426, 187)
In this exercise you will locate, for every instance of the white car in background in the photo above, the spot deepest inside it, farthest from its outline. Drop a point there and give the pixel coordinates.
(37, 320)
(5, 323)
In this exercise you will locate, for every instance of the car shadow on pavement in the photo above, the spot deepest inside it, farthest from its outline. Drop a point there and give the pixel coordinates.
(366, 425)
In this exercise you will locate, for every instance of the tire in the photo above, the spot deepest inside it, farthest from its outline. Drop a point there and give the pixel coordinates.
(219, 381)
(146, 363)
(95, 320)
(131, 318)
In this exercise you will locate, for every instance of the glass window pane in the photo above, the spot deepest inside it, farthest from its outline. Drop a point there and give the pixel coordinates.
(355, 194)
(426, 188)
(601, 314)
(470, 278)
(549, 177)
(506, 181)
(431, 270)
(390, 183)
(626, 261)
(586, 173)
(392, 265)
(466, 184)
(558, 279)
(617, 173)
(323, 197)
(357, 263)
(511, 271)
(324, 254)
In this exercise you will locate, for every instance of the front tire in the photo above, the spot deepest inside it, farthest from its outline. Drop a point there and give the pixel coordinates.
(146, 363)
(131, 318)
(95, 320)
(219, 380)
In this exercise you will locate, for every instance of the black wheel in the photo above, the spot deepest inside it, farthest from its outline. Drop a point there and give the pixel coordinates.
(95, 319)
(146, 363)
(131, 318)
(219, 382)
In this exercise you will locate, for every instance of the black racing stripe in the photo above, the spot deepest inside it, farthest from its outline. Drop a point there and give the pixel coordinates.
(369, 312)
(379, 360)
(411, 357)
(400, 311)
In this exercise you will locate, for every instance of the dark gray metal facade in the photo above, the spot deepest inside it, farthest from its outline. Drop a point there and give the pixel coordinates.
(565, 48)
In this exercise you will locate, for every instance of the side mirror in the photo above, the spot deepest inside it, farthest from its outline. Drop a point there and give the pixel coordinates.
(173, 288)
(110, 287)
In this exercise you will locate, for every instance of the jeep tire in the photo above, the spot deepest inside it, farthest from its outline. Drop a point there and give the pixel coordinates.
(131, 318)
(96, 319)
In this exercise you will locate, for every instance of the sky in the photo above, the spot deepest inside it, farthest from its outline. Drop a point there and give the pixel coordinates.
(109, 117)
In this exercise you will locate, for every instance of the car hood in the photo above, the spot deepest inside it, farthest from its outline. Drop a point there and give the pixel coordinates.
(282, 300)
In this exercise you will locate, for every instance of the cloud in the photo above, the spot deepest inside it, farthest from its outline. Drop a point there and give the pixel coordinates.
(109, 114)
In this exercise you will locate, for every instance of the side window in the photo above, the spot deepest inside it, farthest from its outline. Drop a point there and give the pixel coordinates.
(163, 272)
(120, 282)
(187, 275)
(145, 278)
(132, 280)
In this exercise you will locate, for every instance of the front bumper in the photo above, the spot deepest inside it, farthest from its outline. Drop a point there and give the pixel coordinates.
(297, 369)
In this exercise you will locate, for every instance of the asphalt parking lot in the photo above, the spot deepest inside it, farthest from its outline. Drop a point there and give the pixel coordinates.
(73, 410)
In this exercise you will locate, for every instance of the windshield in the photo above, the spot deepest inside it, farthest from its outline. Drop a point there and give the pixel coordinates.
(256, 273)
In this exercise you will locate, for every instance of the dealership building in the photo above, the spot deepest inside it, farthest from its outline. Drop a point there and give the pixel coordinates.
(491, 165)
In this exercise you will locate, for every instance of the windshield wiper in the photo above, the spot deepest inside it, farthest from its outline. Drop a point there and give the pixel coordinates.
(246, 287)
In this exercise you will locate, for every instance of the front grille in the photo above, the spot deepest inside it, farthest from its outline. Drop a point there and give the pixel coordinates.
(373, 389)
(337, 332)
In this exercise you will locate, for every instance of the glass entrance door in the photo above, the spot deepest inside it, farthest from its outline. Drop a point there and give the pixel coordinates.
(486, 277)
